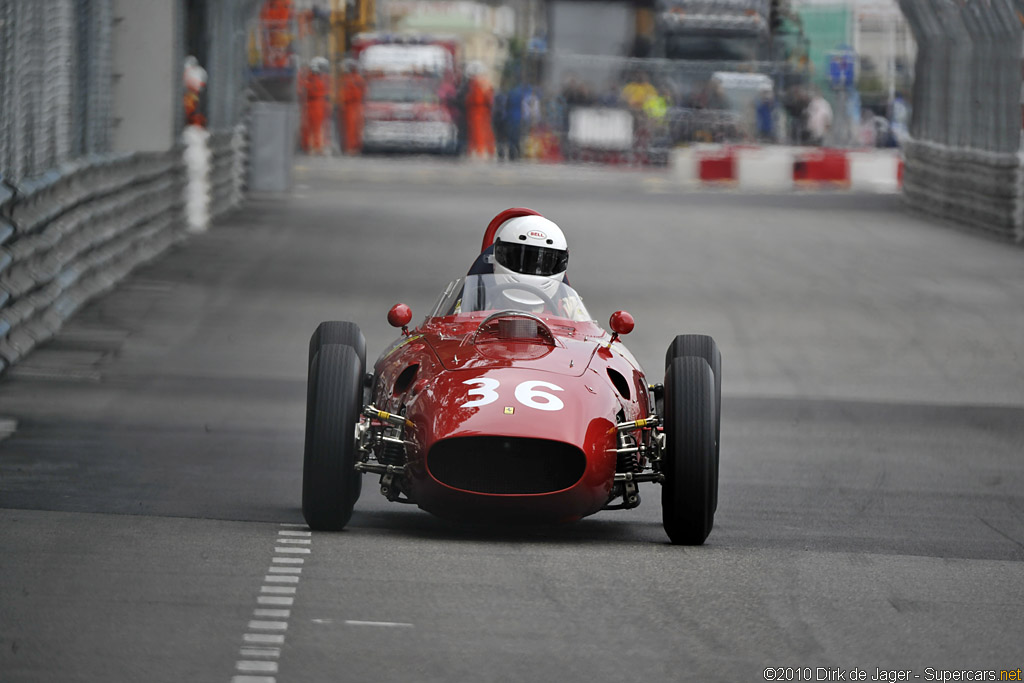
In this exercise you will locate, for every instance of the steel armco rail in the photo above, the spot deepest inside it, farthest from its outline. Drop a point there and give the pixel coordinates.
(962, 158)
(75, 219)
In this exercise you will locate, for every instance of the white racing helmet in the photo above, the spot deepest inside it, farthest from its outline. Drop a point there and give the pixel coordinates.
(531, 250)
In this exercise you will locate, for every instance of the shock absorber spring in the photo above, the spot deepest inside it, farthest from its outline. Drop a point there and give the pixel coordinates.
(392, 452)
(626, 462)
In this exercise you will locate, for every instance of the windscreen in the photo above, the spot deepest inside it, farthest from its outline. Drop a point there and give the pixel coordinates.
(541, 296)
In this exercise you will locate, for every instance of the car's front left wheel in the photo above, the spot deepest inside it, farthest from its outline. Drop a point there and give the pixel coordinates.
(330, 484)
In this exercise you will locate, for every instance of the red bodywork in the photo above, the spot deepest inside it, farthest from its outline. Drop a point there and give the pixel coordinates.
(539, 404)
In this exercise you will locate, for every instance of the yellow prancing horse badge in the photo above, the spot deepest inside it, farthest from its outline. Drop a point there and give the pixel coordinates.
(510, 410)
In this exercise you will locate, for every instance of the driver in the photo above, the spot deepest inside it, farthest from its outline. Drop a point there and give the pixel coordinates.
(520, 245)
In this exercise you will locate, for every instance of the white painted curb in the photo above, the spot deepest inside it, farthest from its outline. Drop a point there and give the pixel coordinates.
(765, 168)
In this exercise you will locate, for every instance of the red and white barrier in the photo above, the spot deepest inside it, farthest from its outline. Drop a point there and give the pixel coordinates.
(778, 168)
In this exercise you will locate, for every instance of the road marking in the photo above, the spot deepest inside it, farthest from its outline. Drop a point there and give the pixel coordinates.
(277, 578)
(260, 650)
(275, 600)
(277, 613)
(386, 624)
(257, 625)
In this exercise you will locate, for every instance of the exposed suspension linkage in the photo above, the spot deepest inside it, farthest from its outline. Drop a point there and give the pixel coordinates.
(639, 448)
(382, 438)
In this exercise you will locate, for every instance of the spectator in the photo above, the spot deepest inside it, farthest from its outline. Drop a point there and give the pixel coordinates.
(353, 90)
(819, 119)
(795, 102)
(313, 96)
(479, 100)
(499, 123)
(515, 100)
(765, 115)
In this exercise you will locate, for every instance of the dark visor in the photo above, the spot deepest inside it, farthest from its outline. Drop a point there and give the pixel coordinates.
(530, 260)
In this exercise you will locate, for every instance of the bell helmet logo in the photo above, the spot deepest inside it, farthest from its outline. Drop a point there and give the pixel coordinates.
(537, 235)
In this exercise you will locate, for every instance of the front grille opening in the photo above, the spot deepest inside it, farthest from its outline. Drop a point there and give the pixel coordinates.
(505, 465)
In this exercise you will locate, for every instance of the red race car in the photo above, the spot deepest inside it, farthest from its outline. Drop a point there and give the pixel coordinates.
(509, 403)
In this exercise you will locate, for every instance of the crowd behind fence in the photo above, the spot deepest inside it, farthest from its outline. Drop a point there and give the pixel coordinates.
(636, 110)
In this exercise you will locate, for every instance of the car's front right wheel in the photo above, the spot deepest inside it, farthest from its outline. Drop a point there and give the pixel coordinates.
(690, 489)
(330, 484)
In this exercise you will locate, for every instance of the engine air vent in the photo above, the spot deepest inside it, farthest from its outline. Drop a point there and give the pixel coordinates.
(619, 382)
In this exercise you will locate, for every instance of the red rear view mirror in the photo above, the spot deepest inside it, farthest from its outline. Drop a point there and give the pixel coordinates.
(399, 316)
(621, 322)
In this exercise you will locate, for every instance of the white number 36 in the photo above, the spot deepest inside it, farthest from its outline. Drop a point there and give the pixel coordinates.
(528, 393)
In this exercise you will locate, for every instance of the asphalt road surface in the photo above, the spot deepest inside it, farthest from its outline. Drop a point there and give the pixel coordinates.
(871, 512)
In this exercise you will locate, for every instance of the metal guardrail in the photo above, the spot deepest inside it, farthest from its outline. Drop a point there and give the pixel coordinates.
(76, 232)
(962, 157)
(75, 219)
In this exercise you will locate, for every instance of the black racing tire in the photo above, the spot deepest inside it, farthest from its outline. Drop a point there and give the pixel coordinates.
(333, 332)
(337, 332)
(703, 346)
(330, 484)
(691, 477)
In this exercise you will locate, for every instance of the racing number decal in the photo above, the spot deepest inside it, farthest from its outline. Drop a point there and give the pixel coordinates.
(526, 393)
(485, 392)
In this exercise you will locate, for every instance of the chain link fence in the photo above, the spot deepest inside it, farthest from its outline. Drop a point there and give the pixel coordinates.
(962, 157)
(634, 111)
(55, 80)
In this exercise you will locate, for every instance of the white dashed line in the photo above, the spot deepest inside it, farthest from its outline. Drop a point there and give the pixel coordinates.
(276, 613)
(386, 624)
(263, 643)
(274, 600)
(257, 625)
(280, 578)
